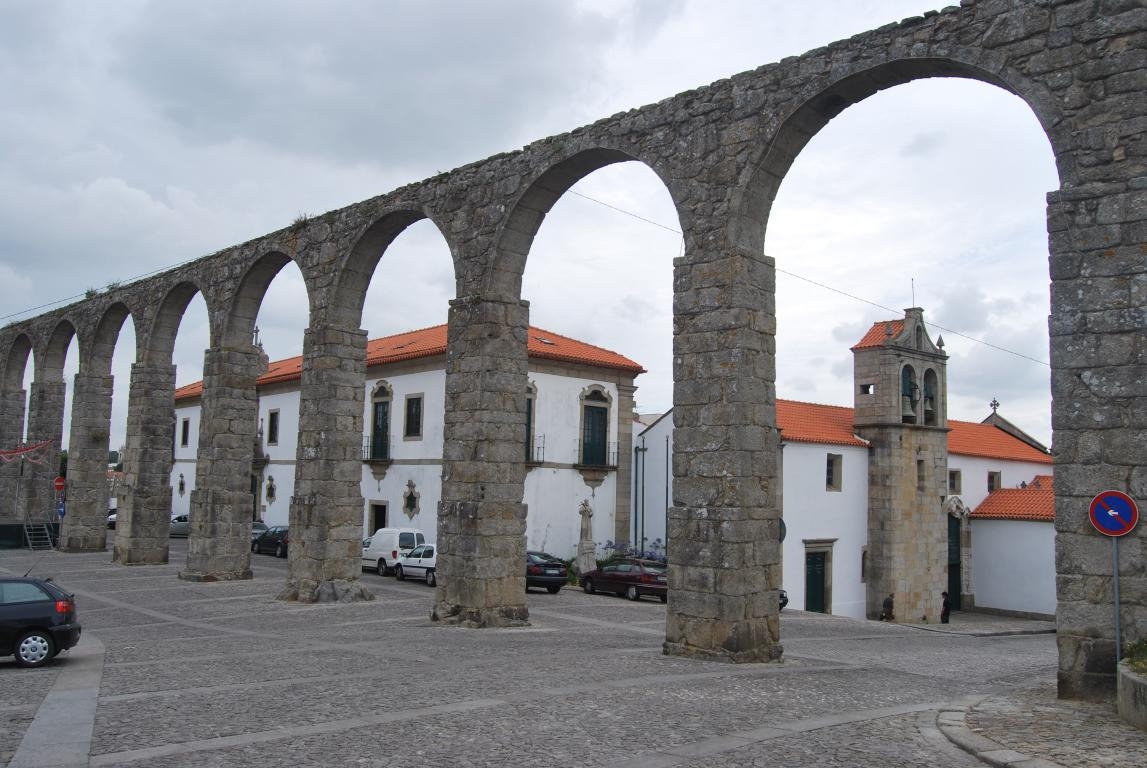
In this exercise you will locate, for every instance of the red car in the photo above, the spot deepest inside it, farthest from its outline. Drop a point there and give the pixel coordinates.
(631, 577)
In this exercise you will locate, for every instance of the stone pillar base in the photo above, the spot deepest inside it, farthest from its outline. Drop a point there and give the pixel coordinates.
(481, 618)
(80, 544)
(189, 575)
(1086, 667)
(137, 554)
(736, 642)
(335, 591)
(762, 655)
(1131, 696)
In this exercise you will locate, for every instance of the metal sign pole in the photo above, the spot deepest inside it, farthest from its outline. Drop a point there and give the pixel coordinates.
(1115, 578)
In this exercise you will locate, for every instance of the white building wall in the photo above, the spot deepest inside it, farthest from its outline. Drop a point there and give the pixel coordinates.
(974, 475)
(553, 490)
(810, 511)
(557, 415)
(653, 479)
(553, 496)
(813, 513)
(1014, 565)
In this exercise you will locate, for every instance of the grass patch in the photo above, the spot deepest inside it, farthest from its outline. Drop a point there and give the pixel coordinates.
(1136, 656)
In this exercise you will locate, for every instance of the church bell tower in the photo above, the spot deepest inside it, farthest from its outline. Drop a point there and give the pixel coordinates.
(900, 401)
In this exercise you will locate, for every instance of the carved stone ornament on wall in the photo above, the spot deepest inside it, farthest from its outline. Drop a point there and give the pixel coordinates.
(410, 499)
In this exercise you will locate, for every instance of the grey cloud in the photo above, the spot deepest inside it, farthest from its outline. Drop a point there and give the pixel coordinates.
(424, 84)
(924, 144)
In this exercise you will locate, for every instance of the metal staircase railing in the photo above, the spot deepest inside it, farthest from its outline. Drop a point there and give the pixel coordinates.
(38, 531)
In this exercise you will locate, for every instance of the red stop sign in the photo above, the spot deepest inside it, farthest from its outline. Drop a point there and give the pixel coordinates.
(58, 483)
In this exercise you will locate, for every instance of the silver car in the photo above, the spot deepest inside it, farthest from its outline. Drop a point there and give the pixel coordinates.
(180, 526)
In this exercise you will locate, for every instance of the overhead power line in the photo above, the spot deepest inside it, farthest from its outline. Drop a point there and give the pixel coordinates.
(829, 287)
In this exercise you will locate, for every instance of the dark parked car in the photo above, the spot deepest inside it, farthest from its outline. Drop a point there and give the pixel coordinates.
(272, 541)
(545, 571)
(37, 620)
(628, 576)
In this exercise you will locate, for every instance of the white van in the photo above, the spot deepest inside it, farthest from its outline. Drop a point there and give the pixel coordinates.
(381, 551)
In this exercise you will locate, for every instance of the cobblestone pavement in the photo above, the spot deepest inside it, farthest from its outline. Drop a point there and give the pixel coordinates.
(173, 673)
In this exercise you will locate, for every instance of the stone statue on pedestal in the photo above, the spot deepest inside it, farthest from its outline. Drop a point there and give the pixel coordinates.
(586, 550)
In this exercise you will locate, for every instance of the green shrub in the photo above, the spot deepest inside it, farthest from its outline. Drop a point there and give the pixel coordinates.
(1135, 655)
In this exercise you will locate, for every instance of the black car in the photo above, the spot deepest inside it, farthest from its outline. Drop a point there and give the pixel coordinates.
(545, 571)
(37, 620)
(272, 541)
(784, 599)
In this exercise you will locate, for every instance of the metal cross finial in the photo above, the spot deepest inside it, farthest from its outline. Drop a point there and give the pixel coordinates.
(995, 404)
(255, 341)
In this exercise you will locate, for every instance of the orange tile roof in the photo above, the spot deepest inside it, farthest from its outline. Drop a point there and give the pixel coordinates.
(815, 423)
(879, 332)
(1035, 502)
(428, 342)
(968, 438)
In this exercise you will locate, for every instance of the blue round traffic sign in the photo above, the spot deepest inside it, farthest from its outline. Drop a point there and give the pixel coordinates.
(1113, 513)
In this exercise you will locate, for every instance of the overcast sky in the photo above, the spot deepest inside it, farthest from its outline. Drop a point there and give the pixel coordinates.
(137, 134)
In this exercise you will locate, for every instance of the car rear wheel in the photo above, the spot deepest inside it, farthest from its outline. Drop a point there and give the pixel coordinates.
(553, 590)
(587, 586)
(398, 574)
(254, 547)
(382, 569)
(34, 648)
(280, 551)
(431, 579)
(665, 598)
(632, 593)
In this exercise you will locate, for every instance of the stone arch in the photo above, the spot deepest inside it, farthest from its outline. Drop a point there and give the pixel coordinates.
(819, 103)
(159, 345)
(354, 274)
(145, 494)
(50, 365)
(909, 394)
(932, 398)
(97, 359)
(84, 527)
(16, 362)
(239, 323)
(516, 236)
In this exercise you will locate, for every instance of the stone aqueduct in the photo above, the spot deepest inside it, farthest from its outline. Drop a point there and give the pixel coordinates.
(721, 151)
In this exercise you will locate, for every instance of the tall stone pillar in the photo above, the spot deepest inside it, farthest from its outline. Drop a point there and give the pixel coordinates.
(623, 497)
(45, 422)
(724, 542)
(481, 519)
(219, 539)
(1098, 236)
(143, 511)
(11, 435)
(325, 551)
(84, 528)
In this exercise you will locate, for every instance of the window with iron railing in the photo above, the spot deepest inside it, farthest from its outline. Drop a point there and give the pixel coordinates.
(594, 430)
(536, 450)
(595, 455)
(376, 447)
